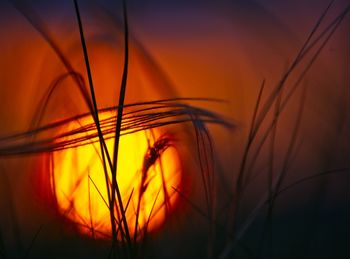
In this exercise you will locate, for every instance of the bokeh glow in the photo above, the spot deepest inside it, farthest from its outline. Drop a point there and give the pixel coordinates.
(79, 181)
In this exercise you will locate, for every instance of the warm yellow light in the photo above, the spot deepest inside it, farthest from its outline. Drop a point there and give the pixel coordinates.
(80, 185)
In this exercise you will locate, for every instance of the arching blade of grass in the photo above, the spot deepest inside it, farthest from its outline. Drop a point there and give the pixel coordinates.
(32, 243)
(267, 229)
(34, 19)
(95, 111)
(309, 45)
(234, 203)
(259, 117)
(310, 178)
(330, 29)
(92, 92)
(86, 134)
(265, 201)
(115, 188)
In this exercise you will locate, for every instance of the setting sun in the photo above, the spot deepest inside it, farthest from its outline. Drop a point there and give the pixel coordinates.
(148, 173)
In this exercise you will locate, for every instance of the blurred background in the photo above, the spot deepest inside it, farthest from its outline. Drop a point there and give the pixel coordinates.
(210, 49)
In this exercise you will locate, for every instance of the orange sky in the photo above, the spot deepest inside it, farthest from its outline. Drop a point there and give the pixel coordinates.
(222, 51)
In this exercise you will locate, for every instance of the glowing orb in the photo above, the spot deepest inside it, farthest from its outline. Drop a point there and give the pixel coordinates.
(148, 171)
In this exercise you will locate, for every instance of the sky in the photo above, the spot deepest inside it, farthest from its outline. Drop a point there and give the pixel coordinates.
(191, 49)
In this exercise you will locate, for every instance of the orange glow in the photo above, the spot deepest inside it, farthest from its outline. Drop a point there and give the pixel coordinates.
(80, 186)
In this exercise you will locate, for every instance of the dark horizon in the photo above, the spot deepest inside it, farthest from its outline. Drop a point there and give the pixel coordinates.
(215, 66)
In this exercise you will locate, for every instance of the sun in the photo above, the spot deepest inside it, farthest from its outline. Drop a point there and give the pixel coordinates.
(148, 175)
